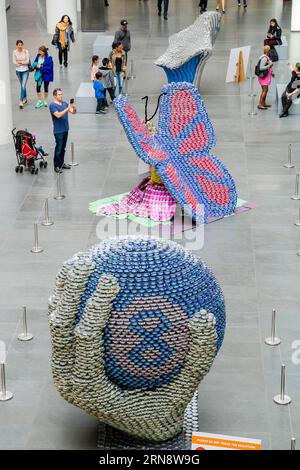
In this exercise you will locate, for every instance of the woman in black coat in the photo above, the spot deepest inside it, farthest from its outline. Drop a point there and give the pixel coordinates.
(64, 34)
(274, 34)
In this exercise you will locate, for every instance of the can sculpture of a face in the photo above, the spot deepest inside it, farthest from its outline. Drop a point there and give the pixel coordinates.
(136, 324)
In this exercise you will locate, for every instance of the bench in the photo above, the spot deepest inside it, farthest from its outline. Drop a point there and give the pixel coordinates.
(189, 50)
(283, 50)
(103, 45)
(85, 98)
(294, 109)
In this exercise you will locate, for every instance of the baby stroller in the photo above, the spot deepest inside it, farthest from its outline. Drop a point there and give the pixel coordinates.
(27, 153)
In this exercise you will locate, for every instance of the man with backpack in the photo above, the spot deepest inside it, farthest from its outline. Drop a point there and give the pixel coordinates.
(123, 36)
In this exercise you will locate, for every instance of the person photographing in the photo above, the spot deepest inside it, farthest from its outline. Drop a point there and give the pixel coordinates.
(59, 111)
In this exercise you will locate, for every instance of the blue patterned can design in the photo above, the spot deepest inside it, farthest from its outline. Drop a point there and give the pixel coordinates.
(162, 285)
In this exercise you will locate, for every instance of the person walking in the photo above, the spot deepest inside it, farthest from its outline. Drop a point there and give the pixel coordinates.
(221, 2)
(43, 66)
(166, 7)
(203, 6)
(60, 110)
(123, 36)
(265, 77)
(292, 90)
(118, 63)
(244, 3)
(21, 60)
(62, 38)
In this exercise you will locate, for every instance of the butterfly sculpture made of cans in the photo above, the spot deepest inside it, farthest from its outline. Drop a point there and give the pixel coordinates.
(180, 152)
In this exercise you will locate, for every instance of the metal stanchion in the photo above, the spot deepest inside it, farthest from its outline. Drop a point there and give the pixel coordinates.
(289, 163)
(36, 248)
(273, 340)
(131, 76)
(25, 336)
(5, 395)
(297, 222)
(252, 112)
(251, 79)
(59, 195)
(296, 196)
(125, 86)
(293, 443)
(72, 162)
(47, 222)
(282, 399)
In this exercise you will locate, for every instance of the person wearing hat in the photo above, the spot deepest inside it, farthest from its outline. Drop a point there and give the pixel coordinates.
(123, 36)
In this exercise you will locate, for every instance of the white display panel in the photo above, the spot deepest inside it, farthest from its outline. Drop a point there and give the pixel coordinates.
(295, 26)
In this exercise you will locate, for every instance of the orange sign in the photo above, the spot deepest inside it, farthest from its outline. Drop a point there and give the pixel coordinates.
(205, 441)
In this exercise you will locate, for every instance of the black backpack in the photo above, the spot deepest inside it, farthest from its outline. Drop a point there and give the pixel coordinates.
(258, 72)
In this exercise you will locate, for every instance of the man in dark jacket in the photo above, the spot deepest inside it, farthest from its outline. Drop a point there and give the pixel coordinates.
(123, 36)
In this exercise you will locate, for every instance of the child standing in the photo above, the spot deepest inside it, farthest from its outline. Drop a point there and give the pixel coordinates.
(94, 67)
(99, 93)
(108, 78)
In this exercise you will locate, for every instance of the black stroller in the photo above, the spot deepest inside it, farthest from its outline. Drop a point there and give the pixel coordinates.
(27, 153)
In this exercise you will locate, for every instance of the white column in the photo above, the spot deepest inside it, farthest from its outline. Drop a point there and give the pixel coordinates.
(79, 6)
(295, 26)
(56, 9)
(5, 97)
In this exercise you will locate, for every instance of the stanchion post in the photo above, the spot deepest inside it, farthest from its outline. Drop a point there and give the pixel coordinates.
(293, 443)
(273, 340)
(251, 79)
(132, 76)
(282, 399)
(296, 196)
(59, 195)
(125, 86)
(252, 112)
(289, 163)
(5, 395)
(36, 248)
(72, 162)
(297, 222)
(46, 222)
(25, 336)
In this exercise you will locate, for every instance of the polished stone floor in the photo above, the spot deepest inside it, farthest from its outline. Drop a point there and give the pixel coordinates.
(253, 254)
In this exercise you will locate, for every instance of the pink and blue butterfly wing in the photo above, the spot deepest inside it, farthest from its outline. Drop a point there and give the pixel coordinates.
(199, 181)
(138, 135)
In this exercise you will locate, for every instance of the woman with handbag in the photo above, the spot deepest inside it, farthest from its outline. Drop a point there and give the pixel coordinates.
(274, 34)
(63, 35)
(43, 66)
(21, 60)
(265, 76)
